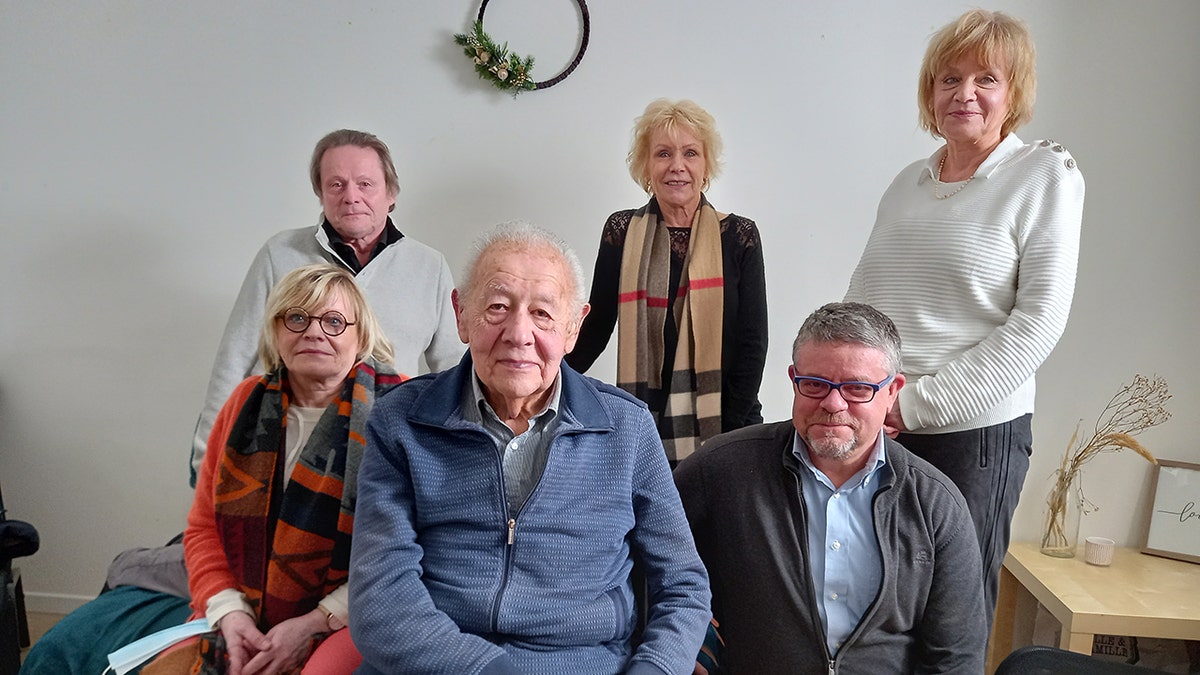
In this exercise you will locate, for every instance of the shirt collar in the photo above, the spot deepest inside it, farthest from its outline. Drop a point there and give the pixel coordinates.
(389, 236)
(1009, 146)
(876, 462)
(474, 413)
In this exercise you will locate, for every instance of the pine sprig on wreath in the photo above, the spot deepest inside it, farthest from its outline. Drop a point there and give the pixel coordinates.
(494, 63)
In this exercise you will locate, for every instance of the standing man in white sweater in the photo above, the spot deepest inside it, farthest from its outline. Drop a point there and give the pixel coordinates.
(407, 283)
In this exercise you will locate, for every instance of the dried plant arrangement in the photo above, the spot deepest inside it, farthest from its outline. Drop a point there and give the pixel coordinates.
(1139, 405)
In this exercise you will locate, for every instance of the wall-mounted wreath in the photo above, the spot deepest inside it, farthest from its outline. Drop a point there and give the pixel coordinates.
(509, 71)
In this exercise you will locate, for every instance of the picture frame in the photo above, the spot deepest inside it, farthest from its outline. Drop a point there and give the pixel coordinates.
(1173, 519)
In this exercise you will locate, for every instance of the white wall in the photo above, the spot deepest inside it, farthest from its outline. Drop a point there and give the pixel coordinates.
(148, 149)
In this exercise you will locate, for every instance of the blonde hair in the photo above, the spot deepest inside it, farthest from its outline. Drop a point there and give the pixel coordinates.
(666, 115)
(994, 39)
(309, 287)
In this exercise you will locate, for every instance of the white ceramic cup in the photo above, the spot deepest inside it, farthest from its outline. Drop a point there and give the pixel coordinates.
(1098, 550)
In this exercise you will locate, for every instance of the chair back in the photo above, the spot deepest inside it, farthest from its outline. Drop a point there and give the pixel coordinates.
(1040, 660)
(17, 537)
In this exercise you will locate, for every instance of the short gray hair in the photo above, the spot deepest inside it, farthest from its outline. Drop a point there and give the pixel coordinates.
(525, 236)
(852, 322)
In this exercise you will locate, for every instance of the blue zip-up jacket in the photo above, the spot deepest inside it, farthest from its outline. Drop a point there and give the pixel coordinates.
(444, 580)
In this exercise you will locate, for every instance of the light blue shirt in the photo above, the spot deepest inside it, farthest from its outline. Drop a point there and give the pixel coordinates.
(843, 550)
(523, 457)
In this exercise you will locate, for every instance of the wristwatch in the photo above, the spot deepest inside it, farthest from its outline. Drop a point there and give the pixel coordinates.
(332, 620)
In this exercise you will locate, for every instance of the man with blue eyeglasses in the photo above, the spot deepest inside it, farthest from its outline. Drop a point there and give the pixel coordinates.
(829, 547)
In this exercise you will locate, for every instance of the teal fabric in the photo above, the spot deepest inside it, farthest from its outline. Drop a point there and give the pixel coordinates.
(79, 644)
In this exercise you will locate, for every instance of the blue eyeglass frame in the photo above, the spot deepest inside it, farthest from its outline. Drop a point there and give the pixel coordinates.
(797, 379)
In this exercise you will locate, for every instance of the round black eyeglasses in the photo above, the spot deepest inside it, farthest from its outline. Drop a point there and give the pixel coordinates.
(332, 323)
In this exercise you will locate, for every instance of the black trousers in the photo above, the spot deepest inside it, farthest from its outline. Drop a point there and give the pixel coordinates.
(988, 465)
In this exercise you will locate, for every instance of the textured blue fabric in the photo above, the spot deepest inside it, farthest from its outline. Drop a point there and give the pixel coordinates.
(524, 455)
(435, 587)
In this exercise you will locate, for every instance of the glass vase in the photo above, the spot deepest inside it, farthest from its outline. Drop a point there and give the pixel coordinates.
(1064, 507)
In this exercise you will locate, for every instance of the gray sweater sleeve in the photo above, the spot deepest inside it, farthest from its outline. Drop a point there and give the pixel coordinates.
(237, 355)
(445, 349)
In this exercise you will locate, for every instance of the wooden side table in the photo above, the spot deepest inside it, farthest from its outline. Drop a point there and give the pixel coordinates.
(1138, 595)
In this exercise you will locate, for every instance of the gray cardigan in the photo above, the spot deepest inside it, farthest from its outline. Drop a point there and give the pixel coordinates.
(742, 495)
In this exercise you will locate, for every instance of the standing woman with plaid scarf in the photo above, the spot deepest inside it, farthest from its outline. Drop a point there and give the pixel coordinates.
(683, 284)
(267, 543)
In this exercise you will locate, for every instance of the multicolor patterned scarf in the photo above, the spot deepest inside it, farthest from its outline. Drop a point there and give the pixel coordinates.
(288, 547)
(693, 396)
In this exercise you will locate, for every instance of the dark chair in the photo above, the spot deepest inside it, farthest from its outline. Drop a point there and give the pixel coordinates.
(17, 539)
(1039, 660)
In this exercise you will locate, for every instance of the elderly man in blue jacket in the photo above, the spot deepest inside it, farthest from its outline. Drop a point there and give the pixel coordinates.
(502, 502)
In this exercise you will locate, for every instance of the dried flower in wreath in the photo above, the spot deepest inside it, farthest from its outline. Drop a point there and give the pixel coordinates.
(494, 63)
(1139, 405)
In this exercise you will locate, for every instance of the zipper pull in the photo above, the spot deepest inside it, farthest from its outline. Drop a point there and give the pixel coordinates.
(512, 526)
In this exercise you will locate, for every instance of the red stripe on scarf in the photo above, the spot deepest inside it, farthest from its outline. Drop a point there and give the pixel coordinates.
(699, 285)
(711, 282)
(635, 296)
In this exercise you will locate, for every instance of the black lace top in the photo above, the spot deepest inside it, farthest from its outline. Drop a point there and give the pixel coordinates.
(744, 338)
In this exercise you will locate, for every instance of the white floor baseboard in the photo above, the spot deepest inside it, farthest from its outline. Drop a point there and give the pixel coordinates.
(54, 603)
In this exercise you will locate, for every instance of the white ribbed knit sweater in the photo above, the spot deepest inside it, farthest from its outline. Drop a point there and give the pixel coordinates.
(978, 284)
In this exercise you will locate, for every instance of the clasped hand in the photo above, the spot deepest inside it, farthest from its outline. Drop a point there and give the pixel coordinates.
(283, 649)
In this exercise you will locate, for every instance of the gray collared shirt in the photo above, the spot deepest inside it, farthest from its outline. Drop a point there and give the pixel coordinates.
(523, 457)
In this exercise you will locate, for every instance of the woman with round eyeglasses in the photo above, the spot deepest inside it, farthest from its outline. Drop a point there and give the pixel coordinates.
(267, 543)
(973, 256)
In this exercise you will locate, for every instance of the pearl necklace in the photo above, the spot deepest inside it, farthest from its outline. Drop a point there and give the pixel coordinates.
(939, 179)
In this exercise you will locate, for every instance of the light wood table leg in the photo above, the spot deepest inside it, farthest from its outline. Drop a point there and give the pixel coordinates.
(1001, 643)
(1077, 642)
(1024, 618)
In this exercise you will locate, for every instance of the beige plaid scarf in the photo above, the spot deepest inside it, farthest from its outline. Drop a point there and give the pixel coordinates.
(693, 396)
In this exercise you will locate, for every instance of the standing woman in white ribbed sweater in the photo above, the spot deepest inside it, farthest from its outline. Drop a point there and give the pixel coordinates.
(973, 256)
